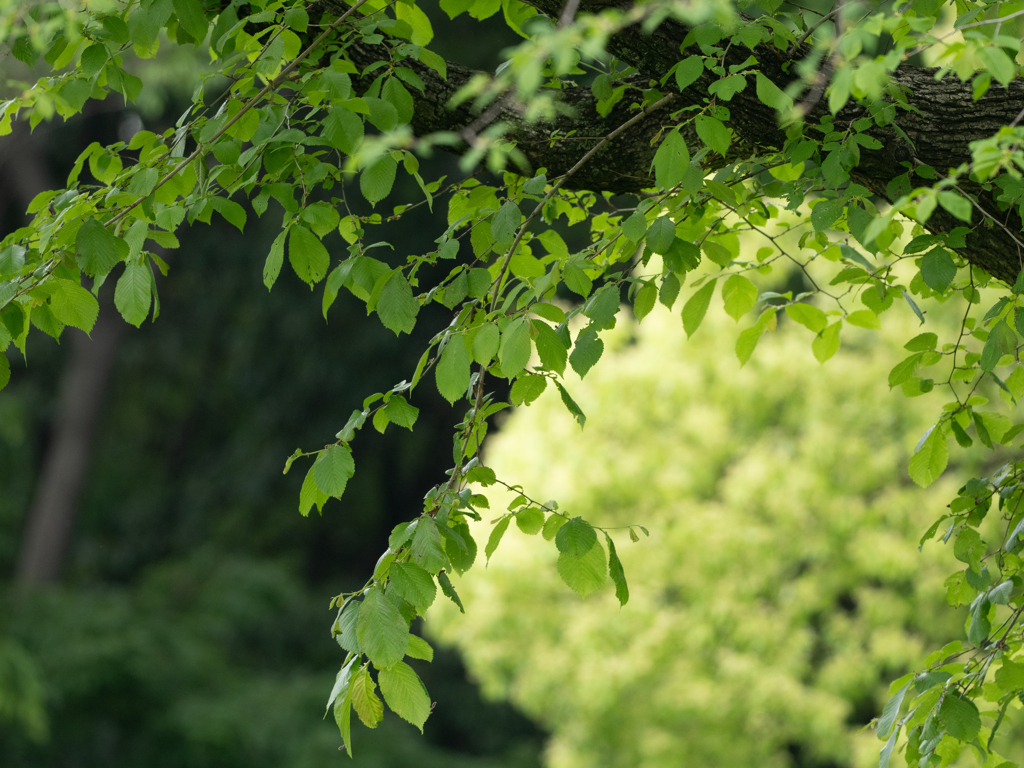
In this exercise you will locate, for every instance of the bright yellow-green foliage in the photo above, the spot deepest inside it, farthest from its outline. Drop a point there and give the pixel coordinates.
(781, 588)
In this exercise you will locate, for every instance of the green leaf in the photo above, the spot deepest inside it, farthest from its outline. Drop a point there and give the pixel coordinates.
(452, 372)
(427, 548)
(616, 571)
(378, 178)
(414, 584)
(713, 133)
(133, 295)
(864, 318)
(930, 459)
(575, 537)
(485, 344)
(890, 712)
(584, 573)
(505, 222)
(191, 18)
(307, 255)
(1010, 676)
(405, 694)
(73, 305)
(956, 204)
(938, 269)
(98, 249)
(419, 649)
(552, 352)
(381, 630)
(826, 343)
(771, 95)
(341, 683)
(552, 526)
(961, 718)
(587, 351)
(527, 388)
(808, 316)
(635, 227)
(332, 470)
(365, 701)
(5, 370)
(449, 591)
(669, 290)
(396, 307)
(904, 370)
(344, 130)
(643, 303)
(661, 234)
(696, 307)
(671, 162)
(571, 406)
(727, 87)
(275, 259)
(514, 352)
(495, 538)
(346, 631)
(576, 279)
(739, 295)
(530, 520)
(687, 72)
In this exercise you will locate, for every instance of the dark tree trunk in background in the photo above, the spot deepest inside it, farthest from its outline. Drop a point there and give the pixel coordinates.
(61, 478)
(51, 516)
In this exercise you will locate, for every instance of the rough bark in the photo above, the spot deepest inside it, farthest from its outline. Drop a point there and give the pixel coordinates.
(942, 120)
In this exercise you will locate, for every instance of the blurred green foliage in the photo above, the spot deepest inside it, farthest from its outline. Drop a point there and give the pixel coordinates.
(781, 588)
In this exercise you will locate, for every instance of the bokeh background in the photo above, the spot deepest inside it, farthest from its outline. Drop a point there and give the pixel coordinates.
(186, 621)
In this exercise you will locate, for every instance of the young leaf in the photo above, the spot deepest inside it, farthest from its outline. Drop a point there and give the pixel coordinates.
(365, 701)
(696, 307)
(616, 571)
(587, 352)
(275, 259)
(495, 538)
(930, 459)
(485, 344)
(376, 180)
(826, 343)
(739, 295)
(307, 255)
(530, 520)
(661, 234)
(505, 222)
(98, 249)
(575, 537)
(427, 548)
(514, 351)
(405, 694)
(449, 590)
(73, 305)
(553, 354)
(938, 269)
(419, 649)
(584, 573)
(571, 406)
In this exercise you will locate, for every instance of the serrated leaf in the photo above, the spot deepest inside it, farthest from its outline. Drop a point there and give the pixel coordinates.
(485, 344)
(343, 130)
(584, 573)
(99, 250)
(414, 584)
(552, 352)
(377, 179)
(427, 548)
(808, 316)
(341, 683)
(453, 370)
(938, 269)
(644, 301)
(713, 133)
(576, 279)
(586, 352)
(671, 161)
(332, 470)
(961, 718)
(552, 526)
(347, 623)
(890, 712)
(688, 70)
(527, 388)
(514, 351)
(616, 571)
(449, 590)
(133, 294)
(739, 296)
(71, 304)
(696, 307)
(826, 343)
(505, 222)
(530, 520)
(661, 234)
(419, 649)
(635, 227)
(495, 538)
(576, 537)
(191, 18)
(771, 95)
(381, 630)
(365, 701)
(930, 459)
(571, 405)
(272, 267)
(307, 255)
(396, 307)
(405, 694)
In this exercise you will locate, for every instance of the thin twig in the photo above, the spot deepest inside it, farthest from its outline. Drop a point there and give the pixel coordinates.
(818, 23)
(568, 13)
(272, 85)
